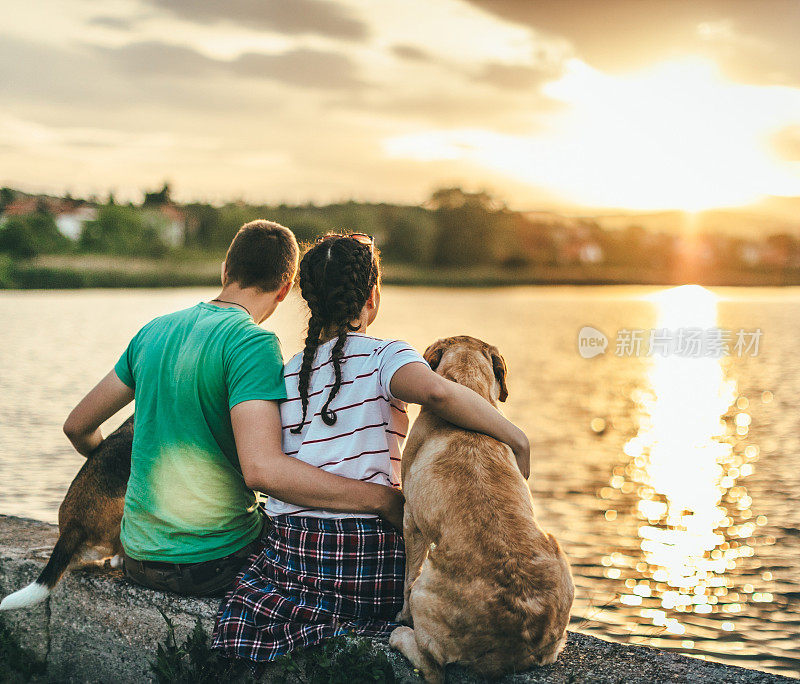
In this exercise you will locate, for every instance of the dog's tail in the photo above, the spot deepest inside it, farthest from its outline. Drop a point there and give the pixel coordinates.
(36, 592)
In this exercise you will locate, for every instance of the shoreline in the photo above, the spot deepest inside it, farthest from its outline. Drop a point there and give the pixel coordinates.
(99, 271)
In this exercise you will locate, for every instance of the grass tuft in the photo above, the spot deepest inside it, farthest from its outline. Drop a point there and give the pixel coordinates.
(193, 662)
(342, 660)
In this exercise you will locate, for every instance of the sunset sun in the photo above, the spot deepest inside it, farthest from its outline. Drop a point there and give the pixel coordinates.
(673, 136)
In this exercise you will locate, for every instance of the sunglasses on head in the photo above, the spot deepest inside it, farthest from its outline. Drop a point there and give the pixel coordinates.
(363, 239)
(360, 238)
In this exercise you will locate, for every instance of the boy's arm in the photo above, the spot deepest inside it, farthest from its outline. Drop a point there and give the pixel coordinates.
(257, 430)
(416, 383)
(83, 424)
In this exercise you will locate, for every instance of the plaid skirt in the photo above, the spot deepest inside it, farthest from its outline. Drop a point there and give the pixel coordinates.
(313, 579)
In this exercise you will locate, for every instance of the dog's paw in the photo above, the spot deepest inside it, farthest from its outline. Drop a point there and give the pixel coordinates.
(115, 562)
(398, 635)
(404, 616)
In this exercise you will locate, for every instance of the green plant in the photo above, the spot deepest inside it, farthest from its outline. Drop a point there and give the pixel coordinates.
(193, 662)
(17, 664)
(341, 660)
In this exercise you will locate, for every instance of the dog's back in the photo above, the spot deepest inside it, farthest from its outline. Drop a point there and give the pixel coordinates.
(89, 517)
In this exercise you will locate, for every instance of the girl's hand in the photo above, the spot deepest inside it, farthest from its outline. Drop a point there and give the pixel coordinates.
(391, 508)
(522, 454)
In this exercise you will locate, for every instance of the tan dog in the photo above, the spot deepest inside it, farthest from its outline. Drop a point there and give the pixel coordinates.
(485, 586)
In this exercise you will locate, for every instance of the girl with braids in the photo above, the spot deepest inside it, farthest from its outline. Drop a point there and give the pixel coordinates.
(320, 573)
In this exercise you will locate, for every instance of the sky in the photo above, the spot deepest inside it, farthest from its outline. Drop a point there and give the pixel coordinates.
(635, 104)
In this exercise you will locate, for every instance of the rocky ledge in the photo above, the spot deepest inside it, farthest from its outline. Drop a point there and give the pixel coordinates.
(98, 627)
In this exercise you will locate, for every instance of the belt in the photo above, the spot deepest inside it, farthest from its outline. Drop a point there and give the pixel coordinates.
(199, 572)
(197, 568)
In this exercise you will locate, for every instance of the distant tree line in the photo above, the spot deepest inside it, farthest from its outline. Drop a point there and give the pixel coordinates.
(453, 228)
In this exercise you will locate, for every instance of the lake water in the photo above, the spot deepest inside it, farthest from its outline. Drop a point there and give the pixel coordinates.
(671, 481)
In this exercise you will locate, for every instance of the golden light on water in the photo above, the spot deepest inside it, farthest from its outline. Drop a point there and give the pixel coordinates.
(685, 466)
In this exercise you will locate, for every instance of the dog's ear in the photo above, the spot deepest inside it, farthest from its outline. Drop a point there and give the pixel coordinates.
(499, 368)
(433, 354)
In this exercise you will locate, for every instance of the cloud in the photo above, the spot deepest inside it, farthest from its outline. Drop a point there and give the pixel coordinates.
(610, 35)
(155, 58)
(293, 17)
(411, 53)
(753, 42)
(301, 68)
(51, 75)
(31, 134)
(786, 143)
(116, 23)
(469, 107)
(58, 83)
(754, 52)
(156, 87)
(500, 75)
(515, 76)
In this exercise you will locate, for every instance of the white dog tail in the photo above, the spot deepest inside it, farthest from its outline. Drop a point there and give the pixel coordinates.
(68, 543)
(29, 596)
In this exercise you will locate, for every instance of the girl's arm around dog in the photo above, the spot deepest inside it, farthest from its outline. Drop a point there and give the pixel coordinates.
(416, 383)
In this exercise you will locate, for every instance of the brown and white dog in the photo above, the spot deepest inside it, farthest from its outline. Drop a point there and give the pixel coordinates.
(485, 585)
(89, 517)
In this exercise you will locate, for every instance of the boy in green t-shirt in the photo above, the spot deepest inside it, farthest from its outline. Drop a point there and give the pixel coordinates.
(207, 382)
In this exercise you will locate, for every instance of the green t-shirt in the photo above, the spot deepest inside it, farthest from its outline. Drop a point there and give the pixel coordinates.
(187, 501)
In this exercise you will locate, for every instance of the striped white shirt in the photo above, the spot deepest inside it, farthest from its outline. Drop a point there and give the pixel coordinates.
(366, 440)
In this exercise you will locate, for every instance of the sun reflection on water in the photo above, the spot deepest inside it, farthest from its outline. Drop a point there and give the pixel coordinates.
(686, 463)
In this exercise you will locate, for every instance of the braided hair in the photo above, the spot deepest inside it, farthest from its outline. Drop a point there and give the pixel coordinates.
(336, 278)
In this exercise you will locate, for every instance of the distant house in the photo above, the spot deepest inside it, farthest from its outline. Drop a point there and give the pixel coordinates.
(750, 254)
(68, 215)
(591, 253)
(573, 240)
(170, 221)
(69, 221)
(21, 207)
(578, 250)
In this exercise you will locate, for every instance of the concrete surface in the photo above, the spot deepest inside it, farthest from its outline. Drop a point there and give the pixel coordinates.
(97, 627)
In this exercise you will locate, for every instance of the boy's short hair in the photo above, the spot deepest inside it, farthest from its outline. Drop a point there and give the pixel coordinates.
(263, 254)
